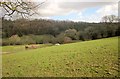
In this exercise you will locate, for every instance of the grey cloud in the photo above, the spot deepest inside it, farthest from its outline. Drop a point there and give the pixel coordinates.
(61, 8)
(81, 5)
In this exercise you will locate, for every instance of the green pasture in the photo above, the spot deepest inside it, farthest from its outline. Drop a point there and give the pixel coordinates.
(95, 58)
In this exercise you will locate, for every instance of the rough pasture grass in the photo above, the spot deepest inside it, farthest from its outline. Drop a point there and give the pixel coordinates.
(95, 58)
(19, 48)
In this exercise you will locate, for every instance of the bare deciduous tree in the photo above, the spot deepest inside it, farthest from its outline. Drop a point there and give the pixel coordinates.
(110, 19)
(19, 7)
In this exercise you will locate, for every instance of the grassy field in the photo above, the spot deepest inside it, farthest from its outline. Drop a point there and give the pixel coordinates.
(19, 48)
(95, 58)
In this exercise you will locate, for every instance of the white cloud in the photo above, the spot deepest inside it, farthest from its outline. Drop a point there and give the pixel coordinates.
(84, 18)
(108, 10)
(50, 9)
(62, 8)
(56, 8)
(40, 17)
(65, 7)
(80, 13)
(96, 17)
(76, 0)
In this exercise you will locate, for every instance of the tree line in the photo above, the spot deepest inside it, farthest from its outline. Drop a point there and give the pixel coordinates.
(39, 31)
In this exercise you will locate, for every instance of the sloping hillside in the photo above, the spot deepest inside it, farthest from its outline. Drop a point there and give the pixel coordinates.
(95, 58)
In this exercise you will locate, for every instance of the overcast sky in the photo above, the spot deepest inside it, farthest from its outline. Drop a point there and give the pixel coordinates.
(76, 10)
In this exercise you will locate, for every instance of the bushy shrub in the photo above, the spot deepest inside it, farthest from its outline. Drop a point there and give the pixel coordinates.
(47, 38)
(5, 42)
(72, 33)
(14, 40)
(62, 38)
(67, 40)
(27, 40)
(40, 39)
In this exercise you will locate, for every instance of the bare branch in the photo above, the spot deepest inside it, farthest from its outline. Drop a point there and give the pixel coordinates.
(20, 7)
